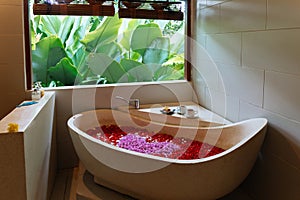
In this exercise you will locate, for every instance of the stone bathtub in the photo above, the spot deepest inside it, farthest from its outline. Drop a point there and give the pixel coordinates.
(146, 176)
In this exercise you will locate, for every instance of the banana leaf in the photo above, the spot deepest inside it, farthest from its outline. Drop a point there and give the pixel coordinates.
(64, 72)
(49, 51)
(105, 34)
(158, 51)
(103, 65)
(143, 36)
(127, 33)
(137, 72)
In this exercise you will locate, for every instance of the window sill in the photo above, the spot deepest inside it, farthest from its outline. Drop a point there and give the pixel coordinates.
(117, 85)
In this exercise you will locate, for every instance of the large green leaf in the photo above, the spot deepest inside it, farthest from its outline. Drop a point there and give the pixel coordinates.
(33, 33)
(64, 72)
(74, 47)
(158, 51)
(127, 33)
(114, 73)
(49, 51)
(177, 44)
(50, 24)
(105, 34)
(105, 66)
(137, 71)
(143, 36)
(66, 28)
(112, 50)
(79, 59)
(77, 33)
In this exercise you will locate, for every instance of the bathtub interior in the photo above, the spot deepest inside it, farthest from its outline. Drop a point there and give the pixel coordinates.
(225, 137)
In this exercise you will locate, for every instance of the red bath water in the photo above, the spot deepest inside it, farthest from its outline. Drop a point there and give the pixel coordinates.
(159, 144)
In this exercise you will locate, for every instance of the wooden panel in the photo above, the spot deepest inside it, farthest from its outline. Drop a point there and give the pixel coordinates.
(150, 14)
(73, 9)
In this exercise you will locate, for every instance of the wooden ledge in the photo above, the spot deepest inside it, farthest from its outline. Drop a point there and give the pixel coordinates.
(150, 14)
(74, 9)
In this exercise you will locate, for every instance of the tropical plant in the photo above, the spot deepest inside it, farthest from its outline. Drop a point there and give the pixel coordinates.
(96, 50)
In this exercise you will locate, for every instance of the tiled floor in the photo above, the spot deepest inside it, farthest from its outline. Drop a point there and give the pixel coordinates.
(68, 182)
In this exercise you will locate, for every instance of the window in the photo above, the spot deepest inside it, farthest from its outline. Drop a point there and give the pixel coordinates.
(87, 50)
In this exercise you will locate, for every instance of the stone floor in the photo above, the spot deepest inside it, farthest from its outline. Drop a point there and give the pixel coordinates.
(78, 184)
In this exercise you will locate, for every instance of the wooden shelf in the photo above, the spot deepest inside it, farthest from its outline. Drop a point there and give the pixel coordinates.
(150, 14)
(105, 10)
(74, 9)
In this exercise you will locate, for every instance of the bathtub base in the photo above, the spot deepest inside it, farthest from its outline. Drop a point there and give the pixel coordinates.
(86, 188)
(102, 183)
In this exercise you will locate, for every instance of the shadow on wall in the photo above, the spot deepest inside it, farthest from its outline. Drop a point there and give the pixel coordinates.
(269, 178)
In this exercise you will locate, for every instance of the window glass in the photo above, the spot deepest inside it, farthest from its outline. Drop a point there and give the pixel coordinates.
(89, 50)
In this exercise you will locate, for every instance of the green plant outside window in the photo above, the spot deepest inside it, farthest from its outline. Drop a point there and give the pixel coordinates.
(89, 50)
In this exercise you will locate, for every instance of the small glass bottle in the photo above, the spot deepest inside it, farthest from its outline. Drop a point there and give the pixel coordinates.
(35, 94)
(40, 88)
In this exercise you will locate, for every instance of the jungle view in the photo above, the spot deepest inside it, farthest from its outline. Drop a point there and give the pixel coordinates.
(89, 50)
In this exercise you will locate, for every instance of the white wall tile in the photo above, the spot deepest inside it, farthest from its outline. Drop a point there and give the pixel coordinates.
(217, 102)
(245, 83)
(241, 15)
(283, 14)
(232, 108)
(209, 73)
(263, 86)
(201, 4)
(199, 88)
(282, 94)
(214, 2)
(11, 20)
(200, 39)
(276, 50)
(208, 20)
(287, 127)
(222, 104)
(225, 48)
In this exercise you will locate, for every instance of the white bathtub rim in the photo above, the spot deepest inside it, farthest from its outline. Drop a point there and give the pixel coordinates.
(170, 160)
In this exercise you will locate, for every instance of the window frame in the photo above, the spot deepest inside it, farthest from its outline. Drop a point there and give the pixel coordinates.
(27, 42)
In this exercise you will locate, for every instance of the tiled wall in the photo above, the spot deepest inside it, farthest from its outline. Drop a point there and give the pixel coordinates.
(248, 65)
(12, 81)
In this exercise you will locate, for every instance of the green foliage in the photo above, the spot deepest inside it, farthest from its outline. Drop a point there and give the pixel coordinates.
(143, 36)
(157, 51)
(49, 51)
(64, 72)
(105, 34)
(103, 65)
(99, 50)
